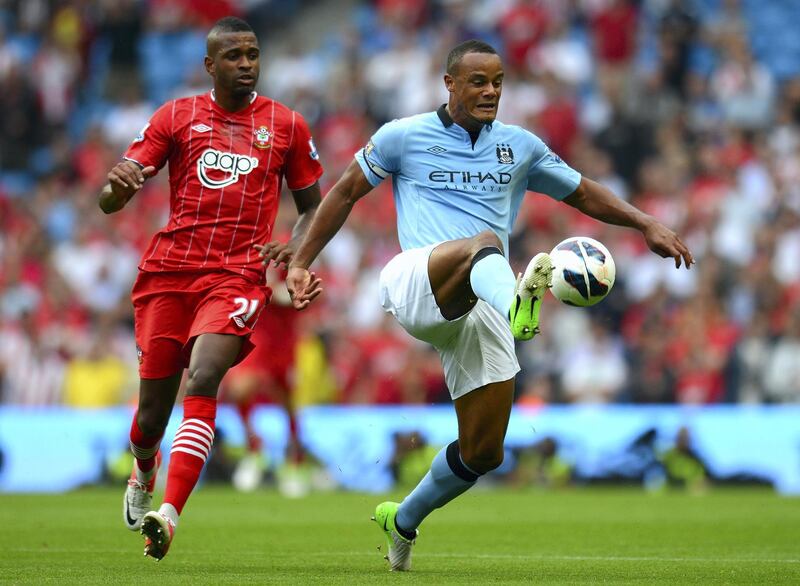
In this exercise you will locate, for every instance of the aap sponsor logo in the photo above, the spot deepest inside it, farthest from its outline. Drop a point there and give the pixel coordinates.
(231, 165)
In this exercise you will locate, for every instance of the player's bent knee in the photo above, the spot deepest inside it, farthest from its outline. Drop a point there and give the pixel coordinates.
(485, 239)
(204, 380)
(152, 422)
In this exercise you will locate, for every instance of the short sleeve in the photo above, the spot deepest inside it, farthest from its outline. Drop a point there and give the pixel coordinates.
(302, 167)
(154, 143)
(381, 156)
(550, 175)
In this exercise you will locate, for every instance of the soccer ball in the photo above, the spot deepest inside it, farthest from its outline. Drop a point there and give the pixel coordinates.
(584, 271)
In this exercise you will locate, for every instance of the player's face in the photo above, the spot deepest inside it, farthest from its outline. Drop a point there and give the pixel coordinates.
(475, 89)
(234, 64)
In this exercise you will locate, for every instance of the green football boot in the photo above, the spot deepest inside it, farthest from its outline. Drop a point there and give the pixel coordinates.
(531, 285)
(399, 548)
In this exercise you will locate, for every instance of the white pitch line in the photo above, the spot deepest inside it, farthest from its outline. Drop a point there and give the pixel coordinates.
(486, 556)
(589, 558)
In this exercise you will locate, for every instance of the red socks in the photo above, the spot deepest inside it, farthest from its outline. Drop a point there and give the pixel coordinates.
(144, 448)
(190, 449)
(245, 409)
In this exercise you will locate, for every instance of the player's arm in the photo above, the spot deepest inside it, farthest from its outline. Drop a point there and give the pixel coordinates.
(307, 202)
(280, 253)
(124, 180)
(146, 154)
(329, 218)
(600, 203)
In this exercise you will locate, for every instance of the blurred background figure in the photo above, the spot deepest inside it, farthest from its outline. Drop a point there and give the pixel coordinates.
(268, 375)
(541, 465)
(411, 458)
(683, 467)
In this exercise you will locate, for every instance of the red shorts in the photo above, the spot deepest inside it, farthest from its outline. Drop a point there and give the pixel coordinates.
(172, 309)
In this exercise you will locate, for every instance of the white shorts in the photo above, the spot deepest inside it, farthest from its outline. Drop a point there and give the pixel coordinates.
(476, 349)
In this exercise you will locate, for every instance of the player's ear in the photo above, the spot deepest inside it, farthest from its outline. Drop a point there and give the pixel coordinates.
(209, 63)
(449, 83)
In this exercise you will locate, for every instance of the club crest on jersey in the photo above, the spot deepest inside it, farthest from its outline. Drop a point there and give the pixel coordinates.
(231, 166)
(263, 136)
(505, 156)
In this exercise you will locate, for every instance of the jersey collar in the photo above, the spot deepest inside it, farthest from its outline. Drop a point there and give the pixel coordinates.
(447, 120)
(444, 116)
(253, 96)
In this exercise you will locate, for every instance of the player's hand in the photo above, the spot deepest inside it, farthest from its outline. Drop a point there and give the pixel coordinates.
(275, 252)
(126, 178)
(666, 243)
(303, 287)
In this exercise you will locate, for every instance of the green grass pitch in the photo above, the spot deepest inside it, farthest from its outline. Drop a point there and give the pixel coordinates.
(486, 537)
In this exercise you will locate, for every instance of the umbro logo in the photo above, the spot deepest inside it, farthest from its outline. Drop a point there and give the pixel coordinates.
(201, 128)
(436, 150)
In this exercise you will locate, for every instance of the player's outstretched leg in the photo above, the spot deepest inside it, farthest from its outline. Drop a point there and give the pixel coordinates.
(448, 477)
(462, 271)
(156, 398)
(482, 421)
(190, 450)
(212, 355)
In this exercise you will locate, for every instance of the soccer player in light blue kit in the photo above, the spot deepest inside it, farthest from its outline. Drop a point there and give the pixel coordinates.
(459, 177)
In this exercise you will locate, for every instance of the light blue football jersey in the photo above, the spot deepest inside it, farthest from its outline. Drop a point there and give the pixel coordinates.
(445, 188)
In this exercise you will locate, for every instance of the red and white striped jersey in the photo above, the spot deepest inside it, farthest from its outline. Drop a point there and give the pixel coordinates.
(33, 372)
(225, 173)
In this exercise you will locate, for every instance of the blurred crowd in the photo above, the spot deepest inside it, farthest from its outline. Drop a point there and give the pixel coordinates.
(689, 109)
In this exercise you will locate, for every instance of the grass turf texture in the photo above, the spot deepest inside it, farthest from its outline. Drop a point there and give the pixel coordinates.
(491, 536)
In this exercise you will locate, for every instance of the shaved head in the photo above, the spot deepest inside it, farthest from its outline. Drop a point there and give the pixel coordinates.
(472, 46)
(228, 24)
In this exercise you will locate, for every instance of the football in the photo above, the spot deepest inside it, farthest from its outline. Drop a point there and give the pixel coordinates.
(583, 273)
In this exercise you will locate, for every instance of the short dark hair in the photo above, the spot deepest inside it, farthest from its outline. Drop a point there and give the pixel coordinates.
(230, 24)
(471, 46)
(226, 24)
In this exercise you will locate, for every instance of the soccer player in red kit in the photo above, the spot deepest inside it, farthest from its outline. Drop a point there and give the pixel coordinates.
(201, 281)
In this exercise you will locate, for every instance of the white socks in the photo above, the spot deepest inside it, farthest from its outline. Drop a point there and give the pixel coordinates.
(169, 512)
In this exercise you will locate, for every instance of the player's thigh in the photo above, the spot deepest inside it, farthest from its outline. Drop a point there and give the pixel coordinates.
(229, 311)
(163, 314)
(479, 351)
(215, 353)
(483, 416)
(449, 267)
